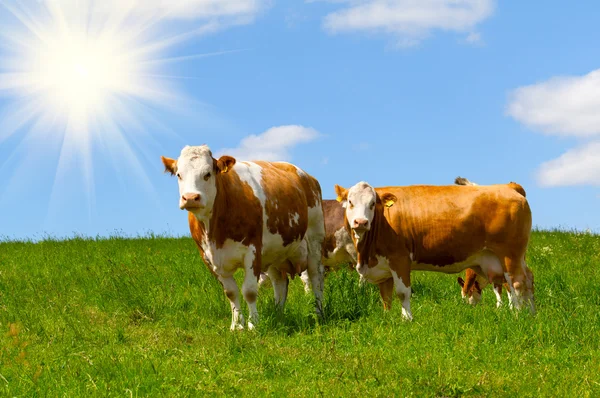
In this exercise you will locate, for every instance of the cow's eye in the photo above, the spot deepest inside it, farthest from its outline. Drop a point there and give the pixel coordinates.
(372, 205)
(179, 176)
(207, 176)
(350, 203)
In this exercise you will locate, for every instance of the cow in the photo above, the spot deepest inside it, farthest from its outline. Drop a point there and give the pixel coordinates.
(262, 217)
(439, 228)
(470, 287)
(337, 245)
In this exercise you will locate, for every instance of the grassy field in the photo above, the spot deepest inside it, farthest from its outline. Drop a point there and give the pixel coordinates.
(144, 317)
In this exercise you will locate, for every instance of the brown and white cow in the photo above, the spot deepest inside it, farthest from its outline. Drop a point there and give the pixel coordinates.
(471, 286)
(337, 245)
(439, 228)
(258, 216)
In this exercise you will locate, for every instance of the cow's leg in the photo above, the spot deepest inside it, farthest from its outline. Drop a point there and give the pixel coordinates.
(305, 281)
(233, 294)
(519, 282)
(280, 286)
(250, 289)
(386, 290)
(263, 280)
(316, 272)
(401, 274)
(498, 292)
(530, 287)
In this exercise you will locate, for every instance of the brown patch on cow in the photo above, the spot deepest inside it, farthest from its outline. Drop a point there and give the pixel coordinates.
(225, 163)
(170, 165)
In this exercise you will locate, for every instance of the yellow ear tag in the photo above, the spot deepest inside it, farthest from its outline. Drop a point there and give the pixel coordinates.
(389, 203)
(225, 169)
(339, 199)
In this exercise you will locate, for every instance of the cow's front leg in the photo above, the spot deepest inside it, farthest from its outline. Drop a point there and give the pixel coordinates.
(250, 289)
(386, 290)
(401, 273)
(233, 294)
(280, 286)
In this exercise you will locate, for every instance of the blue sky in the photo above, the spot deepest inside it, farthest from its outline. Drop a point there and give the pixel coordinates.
(391, 92)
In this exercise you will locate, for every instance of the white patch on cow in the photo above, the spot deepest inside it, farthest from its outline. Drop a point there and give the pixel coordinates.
(360, 205)
(305, 281)
(227, 259)
(193, 164)
(403, 292)
(376, 274)
(250, 286)
(514, 297)
(412, 256)
(344, 250)
(251, 174)
(498, 292)
(294, 219)
(475, 298)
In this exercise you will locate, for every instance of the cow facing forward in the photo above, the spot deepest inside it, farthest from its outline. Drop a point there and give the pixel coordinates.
(258, 216)
(439, 228)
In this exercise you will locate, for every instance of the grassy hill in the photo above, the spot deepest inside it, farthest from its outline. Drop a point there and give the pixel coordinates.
(144, 317)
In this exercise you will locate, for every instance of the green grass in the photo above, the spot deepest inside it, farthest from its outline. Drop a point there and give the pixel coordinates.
(144, 317)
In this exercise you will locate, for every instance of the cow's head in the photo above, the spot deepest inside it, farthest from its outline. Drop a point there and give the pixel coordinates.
(470, 289)
(361, 203)
(197, 172)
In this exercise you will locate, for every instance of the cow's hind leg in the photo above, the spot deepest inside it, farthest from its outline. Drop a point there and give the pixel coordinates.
(280, 286)
(233, 294)
(520, 283)
(250, 289)
(316, 272)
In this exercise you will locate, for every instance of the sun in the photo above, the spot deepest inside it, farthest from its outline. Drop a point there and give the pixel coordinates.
(85, 76)
(76, 74)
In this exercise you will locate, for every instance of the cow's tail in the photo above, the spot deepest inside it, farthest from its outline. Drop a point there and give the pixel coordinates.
(463, 181)
(517, 188)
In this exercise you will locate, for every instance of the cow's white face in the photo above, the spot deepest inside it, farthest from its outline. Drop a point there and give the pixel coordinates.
(360, 208)
(196, 172)
(360, 203)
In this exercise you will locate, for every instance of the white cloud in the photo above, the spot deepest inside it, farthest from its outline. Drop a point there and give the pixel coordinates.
(221, 12)
(409, 21)
(274, 144)
(567, 106)
(564, 106)
(474, 38)
(579, 166)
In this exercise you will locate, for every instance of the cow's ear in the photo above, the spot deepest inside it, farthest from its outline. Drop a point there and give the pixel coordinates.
(170, 165)
(342, 194)
(461, 282)
(225, 163)
(388, 199)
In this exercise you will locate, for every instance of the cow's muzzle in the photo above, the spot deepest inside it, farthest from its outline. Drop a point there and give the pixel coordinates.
(189, 201)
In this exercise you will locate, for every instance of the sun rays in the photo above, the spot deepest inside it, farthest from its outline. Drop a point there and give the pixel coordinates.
(84, 75)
